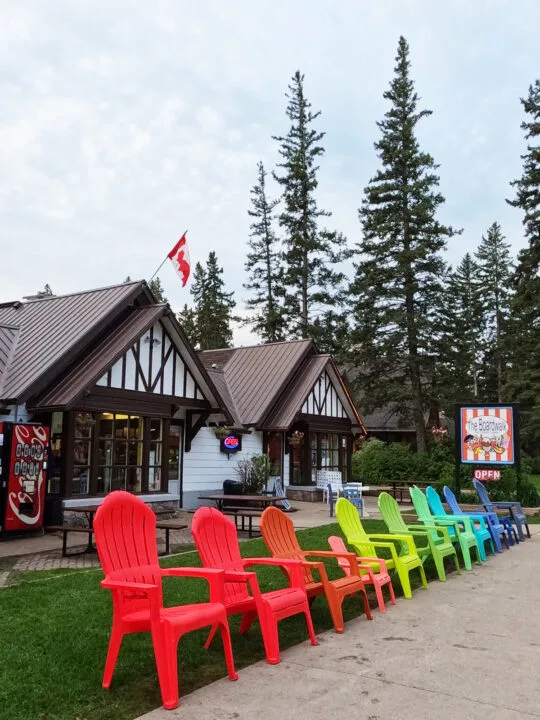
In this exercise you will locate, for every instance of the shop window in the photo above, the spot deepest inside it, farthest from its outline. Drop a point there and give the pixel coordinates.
(155, 456)
(55, 453)
(82, 455)
(120, 452)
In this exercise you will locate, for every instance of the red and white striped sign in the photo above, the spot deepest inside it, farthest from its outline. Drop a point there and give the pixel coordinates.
(487, 435)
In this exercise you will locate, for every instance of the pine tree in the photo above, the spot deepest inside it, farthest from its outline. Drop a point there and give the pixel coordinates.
(212, 306)
(523, 383)
(313, 284)
(494, 271)
(398, 292)
(459, 341)
(157, 290)
(187, 318)
(263, 264)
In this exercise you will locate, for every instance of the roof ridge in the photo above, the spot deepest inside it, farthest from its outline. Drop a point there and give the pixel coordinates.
(259, 345)
(47, 298)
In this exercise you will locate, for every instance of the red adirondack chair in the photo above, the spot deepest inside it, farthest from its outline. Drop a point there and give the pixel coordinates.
(217, 543)
(279, 536)
(125, 530)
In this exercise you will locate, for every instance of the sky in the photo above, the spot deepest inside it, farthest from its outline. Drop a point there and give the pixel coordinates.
(124, 123)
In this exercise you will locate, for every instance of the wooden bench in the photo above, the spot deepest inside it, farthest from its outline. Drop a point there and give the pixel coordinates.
(169, 525)
(65, 529)
(245, 514)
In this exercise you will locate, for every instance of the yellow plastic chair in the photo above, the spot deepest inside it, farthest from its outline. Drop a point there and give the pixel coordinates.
(402, 561)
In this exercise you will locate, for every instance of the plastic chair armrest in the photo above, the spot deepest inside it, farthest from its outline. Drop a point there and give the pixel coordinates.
(379, 561)
(151, 592)
(350, 556)
(439, 530)
(294, 566)
(407, 539)
(465, 521)
(214, 577)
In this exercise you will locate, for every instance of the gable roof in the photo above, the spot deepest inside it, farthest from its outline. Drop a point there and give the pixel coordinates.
(257, 375)
(266, 386)
(50, 328)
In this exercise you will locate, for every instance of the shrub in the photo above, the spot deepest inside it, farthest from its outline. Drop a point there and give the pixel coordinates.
(528, 494)
(254, 473)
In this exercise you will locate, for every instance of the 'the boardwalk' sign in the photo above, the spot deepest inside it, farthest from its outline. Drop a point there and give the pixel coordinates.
(487, 435)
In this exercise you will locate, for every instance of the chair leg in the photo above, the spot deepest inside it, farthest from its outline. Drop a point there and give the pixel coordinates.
(423, 577)
(391, 591)
(166, 650)
(211, 637)
(311, 629)
(466, 556)
(380, 597)
(481, 549)
(112, 656)
(334, 605)
(270, 635)
(227, 649)
(405, 582)
(367, 609)
(247, 621)
(439, 564)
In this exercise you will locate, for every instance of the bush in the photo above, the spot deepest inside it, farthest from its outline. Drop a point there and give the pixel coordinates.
(378, 463)
(528, 494)
(254, 473)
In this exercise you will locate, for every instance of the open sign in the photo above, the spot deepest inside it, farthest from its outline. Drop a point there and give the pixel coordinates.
(231, 444)
(484, 475)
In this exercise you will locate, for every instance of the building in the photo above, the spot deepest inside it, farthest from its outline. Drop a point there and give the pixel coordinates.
(132, 406)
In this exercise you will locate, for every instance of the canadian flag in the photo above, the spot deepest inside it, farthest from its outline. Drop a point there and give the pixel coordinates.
(179, 256)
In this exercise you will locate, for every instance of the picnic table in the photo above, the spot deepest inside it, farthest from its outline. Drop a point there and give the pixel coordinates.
(404, 485)
(220, 498)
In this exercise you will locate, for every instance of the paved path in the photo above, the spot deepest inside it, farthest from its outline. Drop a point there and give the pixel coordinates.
(468, 648)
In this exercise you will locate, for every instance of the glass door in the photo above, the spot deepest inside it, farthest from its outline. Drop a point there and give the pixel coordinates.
(175, 457)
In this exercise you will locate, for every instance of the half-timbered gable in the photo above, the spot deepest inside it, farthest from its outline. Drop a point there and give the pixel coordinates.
(324, 399)
(153, 364)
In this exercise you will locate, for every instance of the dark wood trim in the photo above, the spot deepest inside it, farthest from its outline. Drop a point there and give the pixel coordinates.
(322, 423)
(174, 373)
(64, 454)
(123, 381)
(139, 403)
(165, 426)
(150, 357)
(69, 453)
(184, 391)
(306, 461)
(94, 459)
(160, 374)
(145, 454)
(193, 427)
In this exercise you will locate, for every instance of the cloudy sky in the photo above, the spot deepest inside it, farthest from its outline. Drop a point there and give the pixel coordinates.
(123, 123)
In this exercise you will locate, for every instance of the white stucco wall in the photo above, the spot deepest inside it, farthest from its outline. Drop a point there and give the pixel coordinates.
(205, 467)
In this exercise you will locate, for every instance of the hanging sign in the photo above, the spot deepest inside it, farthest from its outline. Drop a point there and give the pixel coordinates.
(487, 435)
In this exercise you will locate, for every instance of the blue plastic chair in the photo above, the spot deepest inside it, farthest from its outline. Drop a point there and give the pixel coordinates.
(494, 525)
(516, 511)
(352, 493)
(478, 524)
(279, 491)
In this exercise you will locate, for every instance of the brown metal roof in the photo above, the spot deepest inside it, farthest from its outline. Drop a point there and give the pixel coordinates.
(8, 340)
(218, 378)
(52, 327)
(256, 376)
(87, 372)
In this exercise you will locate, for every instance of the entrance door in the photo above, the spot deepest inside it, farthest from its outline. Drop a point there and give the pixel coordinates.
(296, 465)
(176, 433)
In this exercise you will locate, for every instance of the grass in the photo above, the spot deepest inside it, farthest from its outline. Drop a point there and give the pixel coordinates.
(55, 633)
(535, 479)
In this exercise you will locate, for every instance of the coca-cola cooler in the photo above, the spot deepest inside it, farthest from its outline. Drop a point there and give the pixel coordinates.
(23, 469)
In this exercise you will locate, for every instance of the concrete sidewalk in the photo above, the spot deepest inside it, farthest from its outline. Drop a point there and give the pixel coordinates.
(468, 648)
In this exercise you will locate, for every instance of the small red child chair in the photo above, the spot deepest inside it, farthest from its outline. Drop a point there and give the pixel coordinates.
(125, 530)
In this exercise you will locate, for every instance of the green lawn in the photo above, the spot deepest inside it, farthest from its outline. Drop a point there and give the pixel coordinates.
(55, 631)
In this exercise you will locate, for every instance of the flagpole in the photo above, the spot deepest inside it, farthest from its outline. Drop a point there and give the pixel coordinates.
(165, 260)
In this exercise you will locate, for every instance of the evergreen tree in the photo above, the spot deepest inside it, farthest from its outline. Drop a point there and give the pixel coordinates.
(523, 383)
(494, 271)
(398, 290)
(212, 306)
(46, 292)
(263, 264)
(459, 341)
(313, 284)
(157, 290)
(187, 318)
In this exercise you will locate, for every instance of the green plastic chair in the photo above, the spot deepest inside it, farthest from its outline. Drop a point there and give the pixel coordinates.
(365, 546)
(460, 531)
(436, 539)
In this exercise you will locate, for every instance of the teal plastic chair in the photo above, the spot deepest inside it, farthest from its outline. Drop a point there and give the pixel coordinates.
(460, 531)
(478, 524)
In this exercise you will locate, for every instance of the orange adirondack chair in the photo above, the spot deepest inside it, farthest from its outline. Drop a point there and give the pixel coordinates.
(278, 534)
(217, 543)
(125, 530)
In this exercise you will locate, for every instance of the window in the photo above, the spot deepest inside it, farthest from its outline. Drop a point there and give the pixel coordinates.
(329, 451)
(155, 457)
(82, 454)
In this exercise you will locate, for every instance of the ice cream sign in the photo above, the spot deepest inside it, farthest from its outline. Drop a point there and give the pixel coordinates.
(487, 435)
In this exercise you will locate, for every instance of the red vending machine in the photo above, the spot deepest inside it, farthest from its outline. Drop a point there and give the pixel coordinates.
(23, 468)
